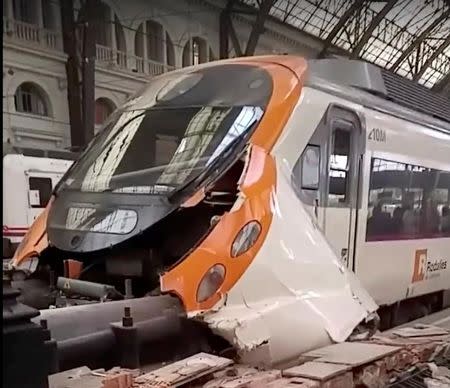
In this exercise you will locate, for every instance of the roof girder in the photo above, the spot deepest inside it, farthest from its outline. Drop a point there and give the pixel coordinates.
(420, 39)
(348, 14)
(373, 24)
(432, 57)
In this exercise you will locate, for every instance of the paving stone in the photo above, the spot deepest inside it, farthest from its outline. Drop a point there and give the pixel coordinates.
(316, 370)
(352, 353)
(420, 331)
(294, 382)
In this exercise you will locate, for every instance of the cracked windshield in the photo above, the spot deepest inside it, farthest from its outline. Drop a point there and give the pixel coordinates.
(157, 150)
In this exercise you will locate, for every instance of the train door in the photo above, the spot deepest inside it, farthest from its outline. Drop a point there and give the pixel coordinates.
(344, 156)
(327, 178)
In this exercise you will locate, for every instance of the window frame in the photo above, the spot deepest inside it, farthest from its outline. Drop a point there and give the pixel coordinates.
(349, 127)
(302, 184)
(36, 98)
(42, 204)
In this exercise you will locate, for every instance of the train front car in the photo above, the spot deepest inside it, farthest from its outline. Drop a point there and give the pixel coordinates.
(186, 191)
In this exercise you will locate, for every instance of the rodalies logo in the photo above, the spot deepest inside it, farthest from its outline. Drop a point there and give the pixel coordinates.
(424, 268)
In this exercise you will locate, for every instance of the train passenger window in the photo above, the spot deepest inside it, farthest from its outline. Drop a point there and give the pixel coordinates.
(310, 167)
(339, 167)
(407, 201)
(40, 191)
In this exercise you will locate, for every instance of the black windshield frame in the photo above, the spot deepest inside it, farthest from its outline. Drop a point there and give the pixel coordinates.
(224, 86)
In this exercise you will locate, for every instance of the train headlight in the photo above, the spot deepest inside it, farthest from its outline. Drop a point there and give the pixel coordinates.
(211, 282)
(246, 238)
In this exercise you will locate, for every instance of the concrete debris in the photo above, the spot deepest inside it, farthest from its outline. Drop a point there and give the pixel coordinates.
(440, 377)
(250, 380)
(184, 371)
(316, 370)
(370, 363)
(352, 353)
(73, 378)
(119, 380)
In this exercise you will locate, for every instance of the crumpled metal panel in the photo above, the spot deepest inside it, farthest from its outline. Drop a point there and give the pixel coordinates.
(295, 295)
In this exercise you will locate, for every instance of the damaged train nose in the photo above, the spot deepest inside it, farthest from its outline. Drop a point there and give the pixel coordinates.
(183, 192)
(286, 292)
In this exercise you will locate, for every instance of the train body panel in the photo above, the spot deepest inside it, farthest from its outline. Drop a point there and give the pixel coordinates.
(412, 262)
(384, 137)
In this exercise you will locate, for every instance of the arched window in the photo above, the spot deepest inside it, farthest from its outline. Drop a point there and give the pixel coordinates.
(152, 42)
(108, 33)
(30, 98)
(103, 108)
(195, 51)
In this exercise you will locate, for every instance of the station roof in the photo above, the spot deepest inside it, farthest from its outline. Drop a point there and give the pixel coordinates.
(410, 38)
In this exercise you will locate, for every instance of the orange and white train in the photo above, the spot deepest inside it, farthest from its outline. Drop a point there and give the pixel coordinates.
(281, 200)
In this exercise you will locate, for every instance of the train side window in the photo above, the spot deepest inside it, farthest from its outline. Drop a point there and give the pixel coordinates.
(40, 191)
(407, 201)
(310, 167)
(339, 167)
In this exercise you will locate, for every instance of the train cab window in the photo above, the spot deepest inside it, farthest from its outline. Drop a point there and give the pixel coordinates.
(407, 201)
(339, 167)
(310, 167)
(40, 191)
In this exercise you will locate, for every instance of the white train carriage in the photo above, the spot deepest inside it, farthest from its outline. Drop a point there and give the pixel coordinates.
(377, 176)
(28, 183)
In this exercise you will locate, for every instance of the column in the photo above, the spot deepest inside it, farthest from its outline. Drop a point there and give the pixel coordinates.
(9, 9)
(146, 64)
(112, 29)
(39, 22)
(164, 53)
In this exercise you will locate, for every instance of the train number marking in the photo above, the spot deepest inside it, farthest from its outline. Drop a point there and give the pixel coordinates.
(377, 134)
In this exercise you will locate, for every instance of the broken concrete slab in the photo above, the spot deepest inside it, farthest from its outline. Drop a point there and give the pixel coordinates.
(420, 331)
(295, 382)
(184, 371)
(408, 341)
(316, 370)
(249, 380)
(74, 378)
(118, 380)
(352, 353)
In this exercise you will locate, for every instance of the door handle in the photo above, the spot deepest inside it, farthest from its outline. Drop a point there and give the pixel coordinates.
(316, 208)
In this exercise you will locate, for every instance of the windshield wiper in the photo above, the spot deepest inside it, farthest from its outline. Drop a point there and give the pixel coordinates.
(208, 169)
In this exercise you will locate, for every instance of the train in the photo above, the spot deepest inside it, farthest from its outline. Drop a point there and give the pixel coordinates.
(286, 203)
(28, 183)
